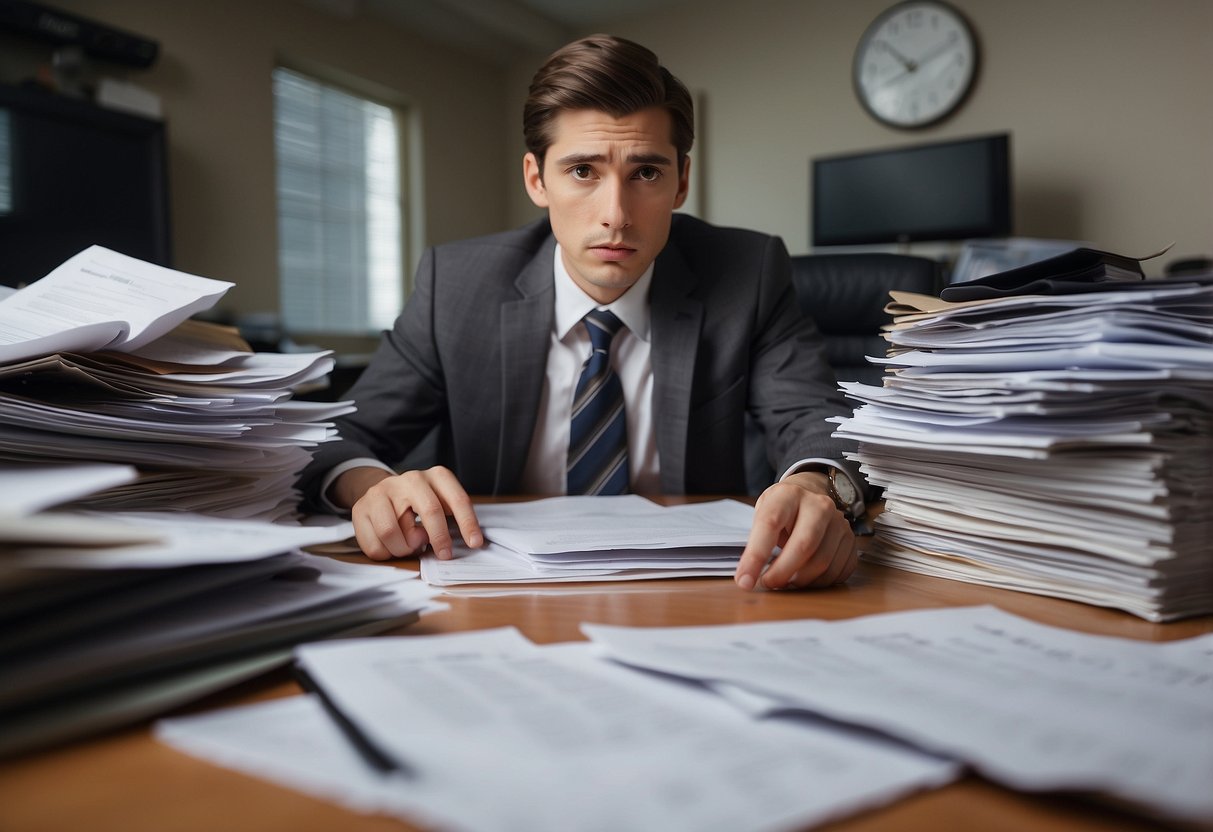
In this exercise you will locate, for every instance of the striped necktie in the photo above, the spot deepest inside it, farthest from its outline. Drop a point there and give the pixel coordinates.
(598, 436)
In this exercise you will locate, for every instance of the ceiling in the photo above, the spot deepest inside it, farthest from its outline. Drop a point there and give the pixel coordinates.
(499, 31)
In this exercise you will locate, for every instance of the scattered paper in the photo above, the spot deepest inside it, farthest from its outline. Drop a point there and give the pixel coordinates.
(1033, 707)
(505, 735)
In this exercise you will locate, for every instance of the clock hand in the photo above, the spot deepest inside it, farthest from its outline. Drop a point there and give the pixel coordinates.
(893, 79)
(931, 54)
(906, 62)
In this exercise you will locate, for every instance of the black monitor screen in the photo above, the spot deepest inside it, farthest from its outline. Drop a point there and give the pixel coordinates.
(946, 191)
(73, 174)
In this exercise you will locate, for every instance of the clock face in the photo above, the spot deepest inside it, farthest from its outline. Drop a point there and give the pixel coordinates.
(915, 63)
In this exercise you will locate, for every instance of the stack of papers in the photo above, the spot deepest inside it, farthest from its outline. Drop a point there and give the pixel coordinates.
(1056, 443)
(164, 579)
(597, 539)
(98, 362)
(109, 618)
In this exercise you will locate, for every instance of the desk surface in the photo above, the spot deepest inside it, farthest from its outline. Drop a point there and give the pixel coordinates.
(127, 781)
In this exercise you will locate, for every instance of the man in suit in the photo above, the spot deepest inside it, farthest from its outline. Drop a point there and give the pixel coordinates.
(612, 346)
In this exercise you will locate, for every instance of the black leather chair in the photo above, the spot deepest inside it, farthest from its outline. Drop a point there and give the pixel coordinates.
(845, 294)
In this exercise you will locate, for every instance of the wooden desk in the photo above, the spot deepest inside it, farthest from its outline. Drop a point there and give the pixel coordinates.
(127, 782)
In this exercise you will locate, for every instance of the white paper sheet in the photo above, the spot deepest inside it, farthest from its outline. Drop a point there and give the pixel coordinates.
(595, 524)
(27, 489)
(100, 299)
(1033, 707)
(493, 564)
(561, 539)
(292, 742)
(187, 539)
(498, 734)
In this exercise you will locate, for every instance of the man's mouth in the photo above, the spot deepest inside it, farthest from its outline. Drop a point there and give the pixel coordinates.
(612, 251)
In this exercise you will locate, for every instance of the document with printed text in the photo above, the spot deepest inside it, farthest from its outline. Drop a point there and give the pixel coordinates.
(100, 299)
(1030, 706)
(501, 734)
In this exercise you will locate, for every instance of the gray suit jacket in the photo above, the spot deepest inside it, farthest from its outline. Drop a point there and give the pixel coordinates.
(468, 354)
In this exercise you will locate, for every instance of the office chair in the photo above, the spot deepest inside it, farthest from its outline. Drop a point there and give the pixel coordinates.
(845, 295)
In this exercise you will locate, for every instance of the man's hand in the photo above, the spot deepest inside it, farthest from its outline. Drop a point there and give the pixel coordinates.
(397, 516)
(818, 546)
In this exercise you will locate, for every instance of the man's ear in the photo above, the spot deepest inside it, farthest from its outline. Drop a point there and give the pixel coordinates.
(684, 183)
(532, 177)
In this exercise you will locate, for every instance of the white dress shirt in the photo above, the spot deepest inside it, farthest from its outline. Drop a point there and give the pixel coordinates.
(569, 348)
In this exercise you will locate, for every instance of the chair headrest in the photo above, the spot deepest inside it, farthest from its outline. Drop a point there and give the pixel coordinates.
(847, 293)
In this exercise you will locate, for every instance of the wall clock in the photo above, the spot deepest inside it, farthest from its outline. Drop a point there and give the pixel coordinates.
(915, 63)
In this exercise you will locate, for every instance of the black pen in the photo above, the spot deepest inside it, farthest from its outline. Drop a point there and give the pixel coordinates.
(363, 744)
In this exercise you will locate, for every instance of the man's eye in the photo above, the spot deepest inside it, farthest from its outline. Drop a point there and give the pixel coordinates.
(581, 172)
(649, 173)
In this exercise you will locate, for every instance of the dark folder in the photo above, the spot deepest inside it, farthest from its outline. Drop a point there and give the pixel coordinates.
(1078, 270)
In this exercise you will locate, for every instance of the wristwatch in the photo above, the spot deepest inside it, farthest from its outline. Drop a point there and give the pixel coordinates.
(847, 498)
(845, 495)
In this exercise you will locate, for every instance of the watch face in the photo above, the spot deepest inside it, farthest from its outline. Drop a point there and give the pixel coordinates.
(915, 63)
(844, 488)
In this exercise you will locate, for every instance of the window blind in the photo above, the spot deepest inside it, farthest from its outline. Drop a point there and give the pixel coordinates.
(339, 209)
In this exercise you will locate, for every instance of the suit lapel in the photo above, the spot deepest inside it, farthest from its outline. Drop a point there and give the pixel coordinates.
(526, 325)
(676, 319)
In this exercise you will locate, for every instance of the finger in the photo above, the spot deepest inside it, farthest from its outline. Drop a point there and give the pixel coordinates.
(772, 518)
(432, 514)
(841, 562)
(369, 543)
(458, 505)
(818, 556)
(808, 537)
(376, 528)
(414, 534)
(841, 567)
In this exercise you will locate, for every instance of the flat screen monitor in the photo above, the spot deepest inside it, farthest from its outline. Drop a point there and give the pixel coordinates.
(73, 174)
(953, 190)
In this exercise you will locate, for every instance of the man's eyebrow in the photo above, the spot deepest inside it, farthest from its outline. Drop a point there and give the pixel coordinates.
(580, 159)
(650, 159)
(597, 158)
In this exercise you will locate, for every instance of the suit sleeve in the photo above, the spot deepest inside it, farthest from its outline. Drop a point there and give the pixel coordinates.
(792, 387)
(400, 396)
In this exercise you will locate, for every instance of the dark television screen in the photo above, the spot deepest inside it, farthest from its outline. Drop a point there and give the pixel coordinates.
(952, 190)
(73, 174)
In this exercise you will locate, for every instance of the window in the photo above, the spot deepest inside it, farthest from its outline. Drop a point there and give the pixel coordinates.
(340, 245)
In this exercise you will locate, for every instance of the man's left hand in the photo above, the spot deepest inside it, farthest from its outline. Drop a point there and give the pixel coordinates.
(817, 545)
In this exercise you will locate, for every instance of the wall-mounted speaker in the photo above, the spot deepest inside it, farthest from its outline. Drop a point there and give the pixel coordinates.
(96, 39)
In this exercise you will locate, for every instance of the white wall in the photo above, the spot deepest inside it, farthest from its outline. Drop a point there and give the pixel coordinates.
(1109, 104)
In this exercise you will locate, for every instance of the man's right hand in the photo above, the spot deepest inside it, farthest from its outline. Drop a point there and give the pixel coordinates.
(397, 516)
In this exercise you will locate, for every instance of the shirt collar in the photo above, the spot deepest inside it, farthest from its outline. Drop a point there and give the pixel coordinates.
(572, 304)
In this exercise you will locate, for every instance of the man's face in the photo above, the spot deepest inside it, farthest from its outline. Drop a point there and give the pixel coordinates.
(610, 186)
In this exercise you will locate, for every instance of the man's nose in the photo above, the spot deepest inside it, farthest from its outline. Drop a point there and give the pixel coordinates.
(615, 212)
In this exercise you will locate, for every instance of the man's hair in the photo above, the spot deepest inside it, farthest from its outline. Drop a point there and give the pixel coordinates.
(610, 74)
